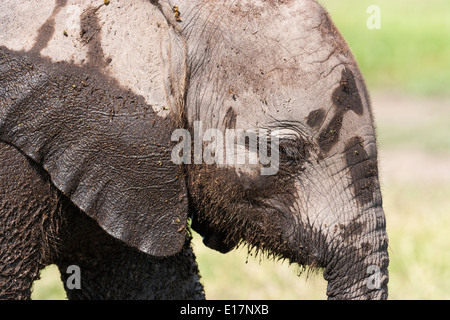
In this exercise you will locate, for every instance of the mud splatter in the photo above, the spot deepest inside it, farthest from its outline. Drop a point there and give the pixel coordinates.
(363, 171)
(316, 118)
(346, 97)
(90, 35)
(47, 30)
(230, 119)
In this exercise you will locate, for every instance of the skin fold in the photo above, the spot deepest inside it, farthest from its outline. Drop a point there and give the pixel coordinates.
(90, 96)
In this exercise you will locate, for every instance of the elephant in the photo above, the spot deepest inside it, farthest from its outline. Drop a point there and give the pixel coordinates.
(92, 94)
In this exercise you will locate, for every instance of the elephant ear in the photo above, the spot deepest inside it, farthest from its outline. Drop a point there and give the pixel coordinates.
(102, 145)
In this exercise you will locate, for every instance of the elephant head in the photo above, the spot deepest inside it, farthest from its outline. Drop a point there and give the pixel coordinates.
(282, 65)
(97, 107)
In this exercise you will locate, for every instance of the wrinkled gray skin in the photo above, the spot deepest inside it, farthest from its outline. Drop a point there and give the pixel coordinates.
(90, 95)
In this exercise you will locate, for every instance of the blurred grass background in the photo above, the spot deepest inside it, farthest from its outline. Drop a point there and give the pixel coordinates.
(411, 50)
(406, 65)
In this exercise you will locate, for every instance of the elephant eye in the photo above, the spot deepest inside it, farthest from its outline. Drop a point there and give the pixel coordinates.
(293, 151)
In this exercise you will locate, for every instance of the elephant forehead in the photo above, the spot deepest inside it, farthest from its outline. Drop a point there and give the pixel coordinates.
(120, 39)
(280, 60)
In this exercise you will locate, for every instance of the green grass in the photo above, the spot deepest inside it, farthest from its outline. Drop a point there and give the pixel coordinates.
(411, 51)
(239, 276)
(49, 287)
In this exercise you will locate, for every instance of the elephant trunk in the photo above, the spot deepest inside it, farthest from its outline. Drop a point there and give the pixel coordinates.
(359, 265)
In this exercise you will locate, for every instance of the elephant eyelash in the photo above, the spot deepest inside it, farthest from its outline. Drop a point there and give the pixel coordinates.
(294, 150)
(288, 150)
